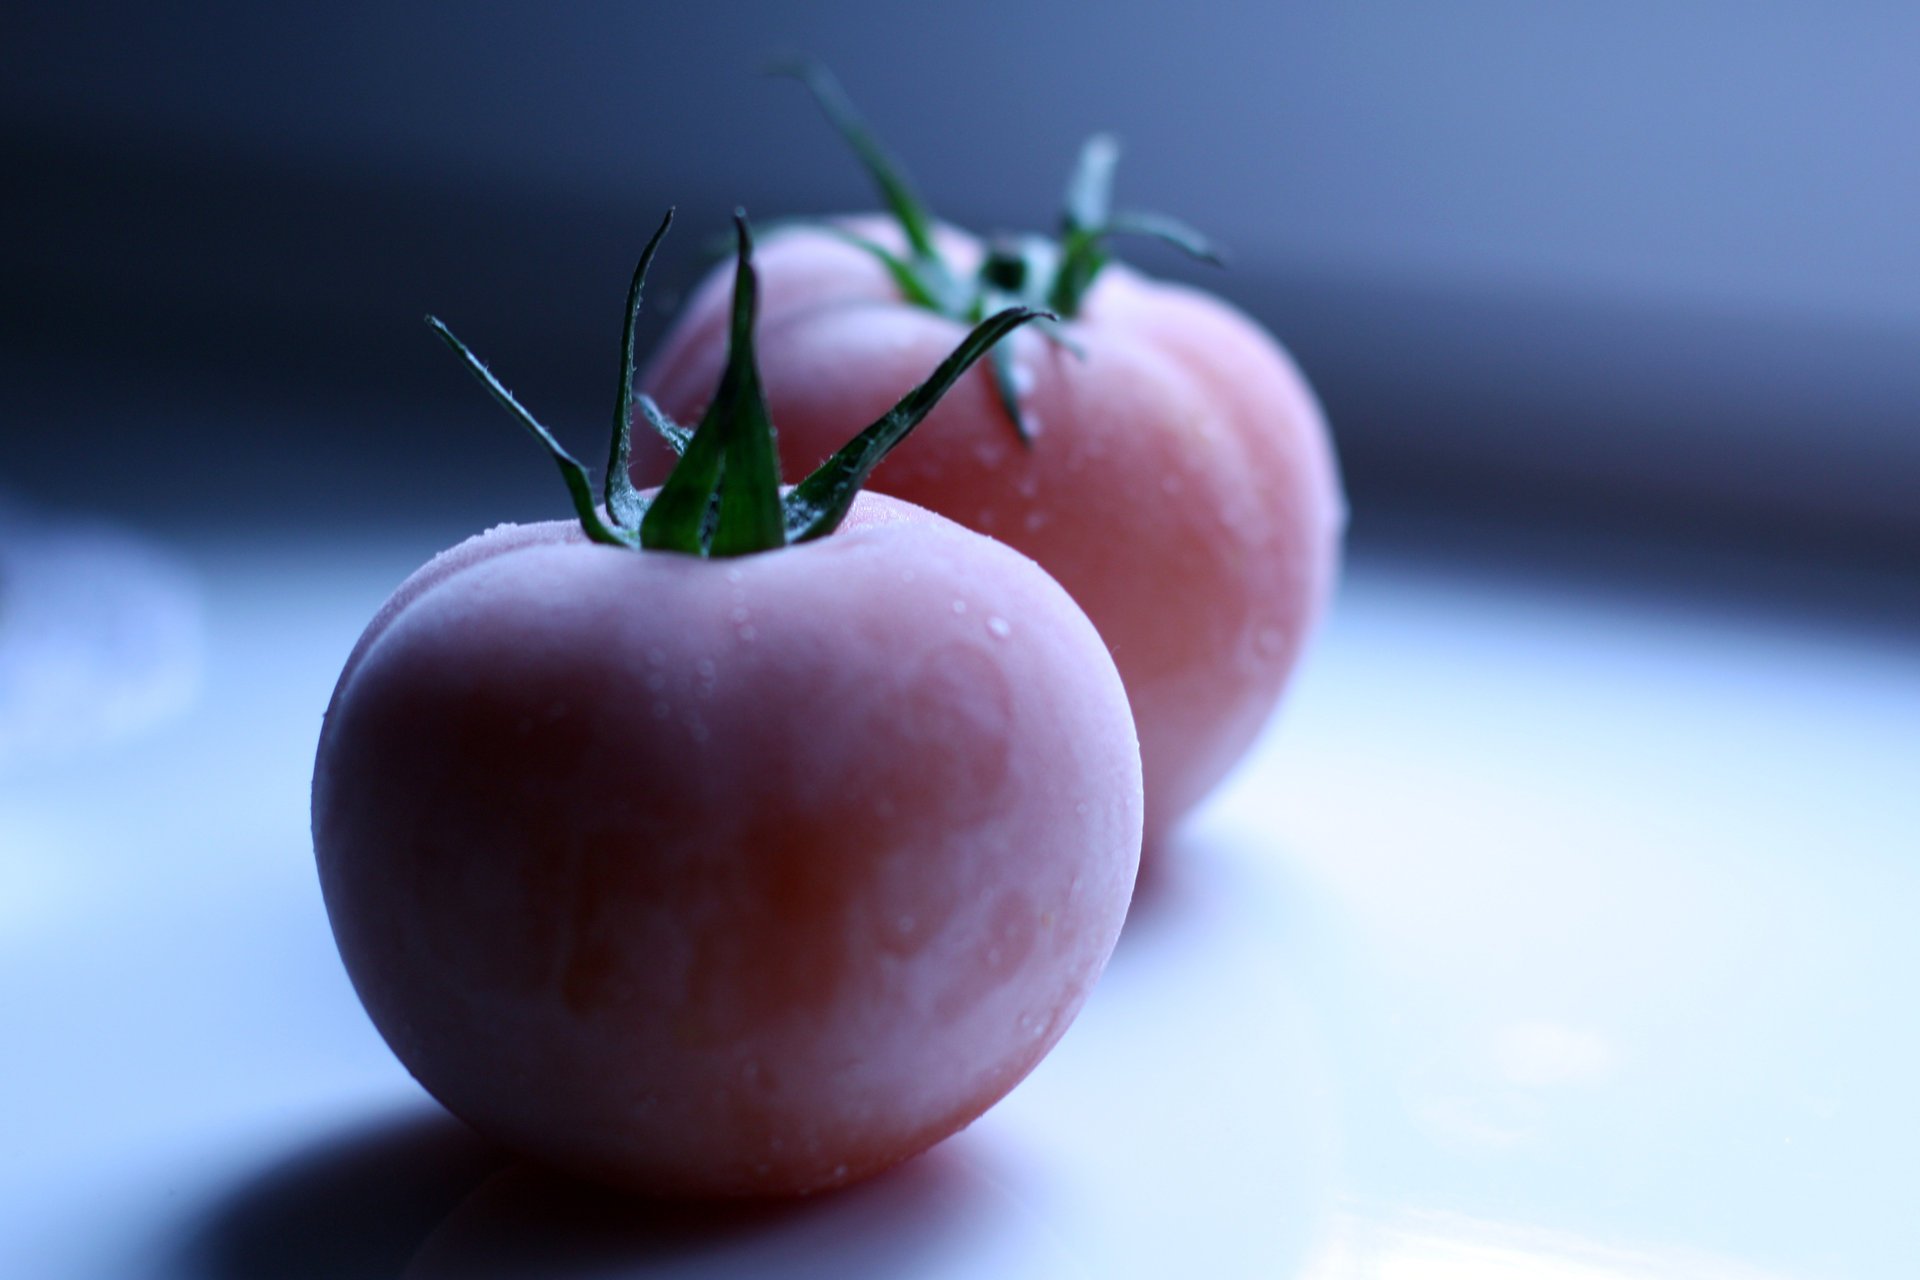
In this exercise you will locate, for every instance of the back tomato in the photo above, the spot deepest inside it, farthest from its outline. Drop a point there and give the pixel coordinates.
(1180, 481)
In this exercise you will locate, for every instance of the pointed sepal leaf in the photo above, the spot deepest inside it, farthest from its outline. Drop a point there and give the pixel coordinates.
(1168, 230)
(1006, 374)
(624, 504)
(579, 483)
(1089, 200)
(677, 518)
(816, 506)
(906, 277)
(1087, 221)
(908, 209)
(749, 517)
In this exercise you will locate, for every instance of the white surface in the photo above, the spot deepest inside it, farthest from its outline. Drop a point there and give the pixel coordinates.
(1548, 936)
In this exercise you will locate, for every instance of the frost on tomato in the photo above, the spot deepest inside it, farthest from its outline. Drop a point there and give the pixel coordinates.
(750, 863)
(1155, 450)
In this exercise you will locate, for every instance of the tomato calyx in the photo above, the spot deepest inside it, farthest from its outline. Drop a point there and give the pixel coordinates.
(1051, 273)
(724, 497)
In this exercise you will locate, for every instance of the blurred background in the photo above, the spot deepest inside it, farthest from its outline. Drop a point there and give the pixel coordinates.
(1562, 926)
(1644, 267)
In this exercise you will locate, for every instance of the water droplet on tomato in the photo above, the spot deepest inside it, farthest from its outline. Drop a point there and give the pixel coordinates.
(1000, 627)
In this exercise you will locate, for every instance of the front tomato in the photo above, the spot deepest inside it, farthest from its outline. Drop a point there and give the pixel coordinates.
(734, 840)
(714, 877)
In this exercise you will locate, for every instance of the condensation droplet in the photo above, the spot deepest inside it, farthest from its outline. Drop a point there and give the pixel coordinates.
(1271, 642)
(959, 606)
(661, 711)
(907, 924)
(908, 575)
(739, 613)
(733, 575)
(1036, 521)
(1000, 627)
(657, 681)
(705, 668)
(748, 635)
(1170, 483)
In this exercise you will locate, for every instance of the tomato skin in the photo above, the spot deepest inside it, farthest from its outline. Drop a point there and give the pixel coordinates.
(1181, 482)
(730, 877)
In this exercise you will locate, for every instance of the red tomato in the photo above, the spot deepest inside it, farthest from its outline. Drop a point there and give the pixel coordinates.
(1179, 483)
(727, 877)
(747, 849)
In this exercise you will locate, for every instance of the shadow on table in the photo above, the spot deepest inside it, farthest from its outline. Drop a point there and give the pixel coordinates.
(420, 1197)
(351, 1207)
(528, 1224)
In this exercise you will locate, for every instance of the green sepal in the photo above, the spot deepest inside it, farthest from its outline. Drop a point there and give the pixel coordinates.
(906, 277)
(1089, 202)
(1007, 393)
(579, 483)
(915, 220)
(723, 497)
(1000, 361)
(677, 518)
(816, 506)
(934, 278)
(1171, 231)
(1087, 222)
(749, 517)
(624, 504)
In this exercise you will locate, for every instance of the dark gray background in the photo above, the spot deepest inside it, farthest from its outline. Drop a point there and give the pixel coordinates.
(1634, 266)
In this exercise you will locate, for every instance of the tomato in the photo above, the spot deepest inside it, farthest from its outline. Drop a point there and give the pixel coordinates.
(714, 874)
(1175, 475)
